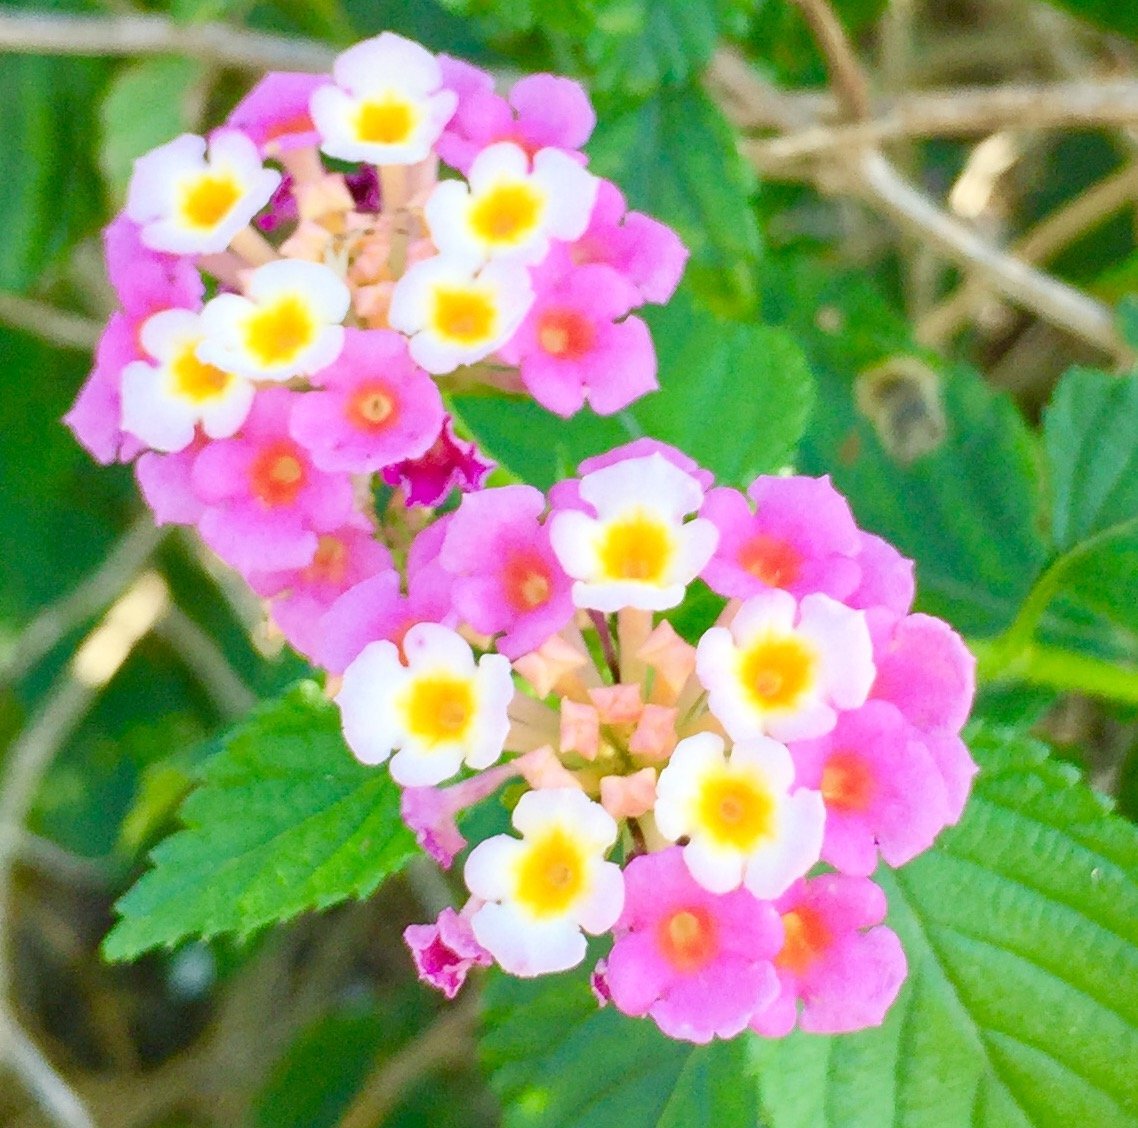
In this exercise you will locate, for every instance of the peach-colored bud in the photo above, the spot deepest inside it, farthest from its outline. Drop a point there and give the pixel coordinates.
(542, 768)
(671, 657)
(326, 196)
(552, 661)
(629, 797)
(655, 734)
(580, 729)
(617, 704)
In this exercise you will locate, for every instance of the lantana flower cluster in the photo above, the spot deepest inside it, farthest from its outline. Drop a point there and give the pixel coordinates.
(710, 715)
(716, 802)
(300, 288)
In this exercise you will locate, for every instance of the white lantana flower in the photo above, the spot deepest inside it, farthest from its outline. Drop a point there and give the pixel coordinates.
(543, 889)
(188, 201)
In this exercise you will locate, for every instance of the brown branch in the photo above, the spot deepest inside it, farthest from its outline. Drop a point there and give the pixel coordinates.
(846, 75)
(871, 177)
(221, 44)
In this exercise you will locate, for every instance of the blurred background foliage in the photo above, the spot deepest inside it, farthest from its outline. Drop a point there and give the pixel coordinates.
(803, 309)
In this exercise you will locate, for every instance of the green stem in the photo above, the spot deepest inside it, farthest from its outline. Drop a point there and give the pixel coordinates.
(1064, 670)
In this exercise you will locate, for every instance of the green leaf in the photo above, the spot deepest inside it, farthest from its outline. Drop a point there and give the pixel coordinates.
(1108, 14)
(1021, 1007)
(751, 379)
(966, 510)
(1091, 441)
(675, 158)
(146, 105)
(285, 821)
(556, 1061)
(49, 195)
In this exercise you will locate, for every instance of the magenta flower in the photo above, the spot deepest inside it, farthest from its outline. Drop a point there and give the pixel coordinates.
(344, 558)
(881, 787)
(648, 253)
(698, 963)
(507, 578)
(445, 951)
(837, 960)
(572, 347)
(166, 482)
(146, 280)
(375, 407)
(887, 578)
(266, 503)
(801, 538)
(448, 463)
(543, 111)
(927, 672)
(275, 112)
(377, 609)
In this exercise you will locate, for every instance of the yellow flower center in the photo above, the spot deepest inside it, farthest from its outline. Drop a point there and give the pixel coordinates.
(777, 670)
(551, 874)
(281, 331)
(507, 213)
(371, 407)
(196, 381)
(209, 199)
(389, 122)
(735, 810)
(464, 316)
(636, 547)
(330, 562)
(439, 708)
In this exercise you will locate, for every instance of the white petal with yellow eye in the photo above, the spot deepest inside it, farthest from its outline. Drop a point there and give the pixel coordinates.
(367, 715)
(163, 403)
(286, 324)
(387, 106)
(192, 199)
(455, 316)
(508, 210)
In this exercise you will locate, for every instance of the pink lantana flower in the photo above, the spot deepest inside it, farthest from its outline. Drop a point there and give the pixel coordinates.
(698, 963)
(274, 114)
(146, 280)
(344, 558)
(838, 961)
(887, 579)
(375, 406)
(801, 538)
(542, 111)
(377, 609)
(648, 253)
(449, 463)
(572, 345)
(881, 787)
(927, 672)
(445, 951)
(166, 483)
(507, 578)
(266, 503)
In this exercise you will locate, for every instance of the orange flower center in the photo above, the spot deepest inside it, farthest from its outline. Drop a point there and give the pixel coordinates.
(330, 562)
(371, 407)
(806, 938)
(847, 782)
(777, 670)
(207, 201)
(526, 581)
(278, 474)
(688, 939)
(771, 560)
(565, 333)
